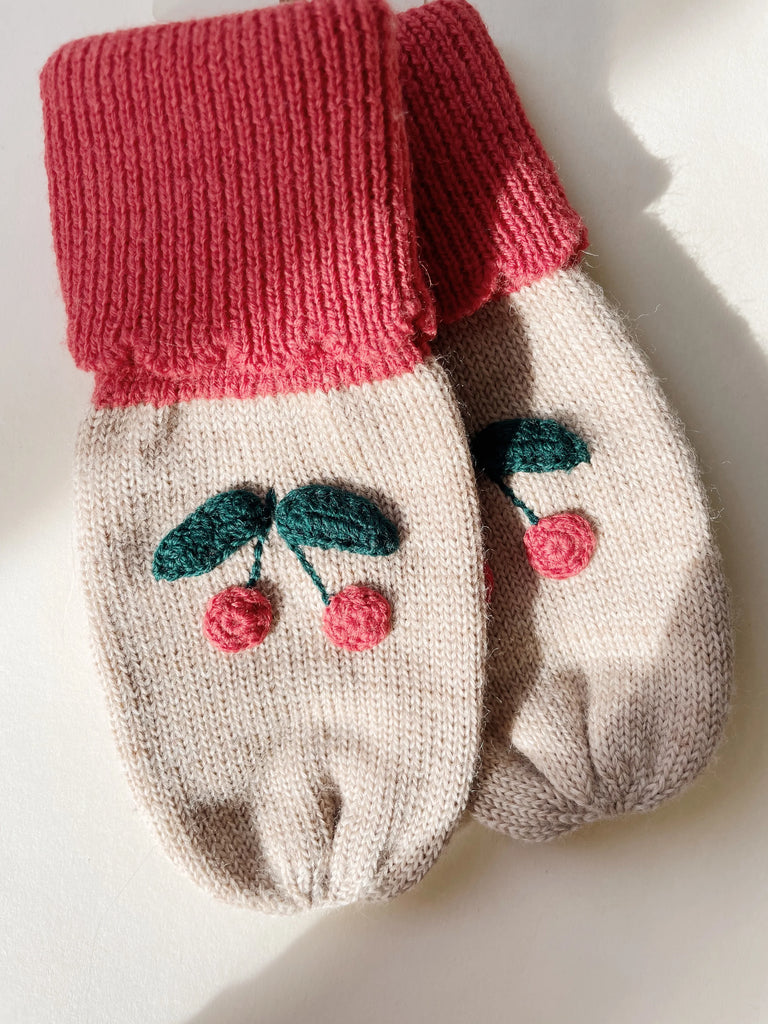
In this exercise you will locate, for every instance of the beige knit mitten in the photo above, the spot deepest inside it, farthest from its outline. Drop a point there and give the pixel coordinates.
(609, 647)
(280, 535)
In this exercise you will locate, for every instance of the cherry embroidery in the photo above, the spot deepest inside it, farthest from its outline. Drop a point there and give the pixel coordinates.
(558, 546)
(237, 618)
(316, 516)
(357, 618)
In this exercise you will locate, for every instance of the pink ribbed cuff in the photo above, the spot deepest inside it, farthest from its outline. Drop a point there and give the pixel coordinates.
(231, 204)
(491, 213)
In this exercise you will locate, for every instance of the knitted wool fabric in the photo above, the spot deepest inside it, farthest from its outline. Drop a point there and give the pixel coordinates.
(610, 660)
(280, 539)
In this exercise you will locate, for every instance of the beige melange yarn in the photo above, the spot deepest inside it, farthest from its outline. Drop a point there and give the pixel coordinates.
(295, 774)
(606, 692)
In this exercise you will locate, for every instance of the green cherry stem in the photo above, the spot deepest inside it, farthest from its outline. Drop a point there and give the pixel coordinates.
(306, 565)
(532, 517)
(270, 501)
(253, 579)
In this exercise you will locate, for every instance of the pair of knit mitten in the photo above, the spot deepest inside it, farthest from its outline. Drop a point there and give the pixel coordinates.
(356, 408)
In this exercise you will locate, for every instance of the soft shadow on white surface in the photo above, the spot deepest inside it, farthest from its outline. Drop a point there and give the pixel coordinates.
(506, 933)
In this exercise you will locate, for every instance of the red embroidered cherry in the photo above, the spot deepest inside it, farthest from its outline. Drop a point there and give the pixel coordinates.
(560, 546)
(490, 583)
(237, 618)
(357, 618)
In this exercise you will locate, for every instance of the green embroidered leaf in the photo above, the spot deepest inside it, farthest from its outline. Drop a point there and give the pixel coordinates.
(526, 446)
(330, 517)
(212, 533)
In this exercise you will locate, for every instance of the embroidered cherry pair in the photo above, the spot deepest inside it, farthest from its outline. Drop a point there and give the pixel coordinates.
(558, 546)
(316, 516)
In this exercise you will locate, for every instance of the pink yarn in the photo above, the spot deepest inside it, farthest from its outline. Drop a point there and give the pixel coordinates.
(357, 618)
(560, 546)
(492, 215)
(237, 618)
(231, 204)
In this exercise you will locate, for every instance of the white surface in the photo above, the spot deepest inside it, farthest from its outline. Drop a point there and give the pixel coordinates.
(655, 112)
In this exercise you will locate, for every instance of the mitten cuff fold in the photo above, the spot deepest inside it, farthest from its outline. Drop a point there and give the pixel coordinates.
(491, 213)
(231, 204)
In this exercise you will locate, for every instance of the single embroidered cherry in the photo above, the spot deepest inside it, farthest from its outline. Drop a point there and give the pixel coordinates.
(560, 546)
(237, 618)
(357, 618)
(318, 516)
(490, 583)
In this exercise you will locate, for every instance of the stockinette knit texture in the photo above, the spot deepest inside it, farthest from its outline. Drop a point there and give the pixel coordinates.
(280, 539)
(609, 639)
